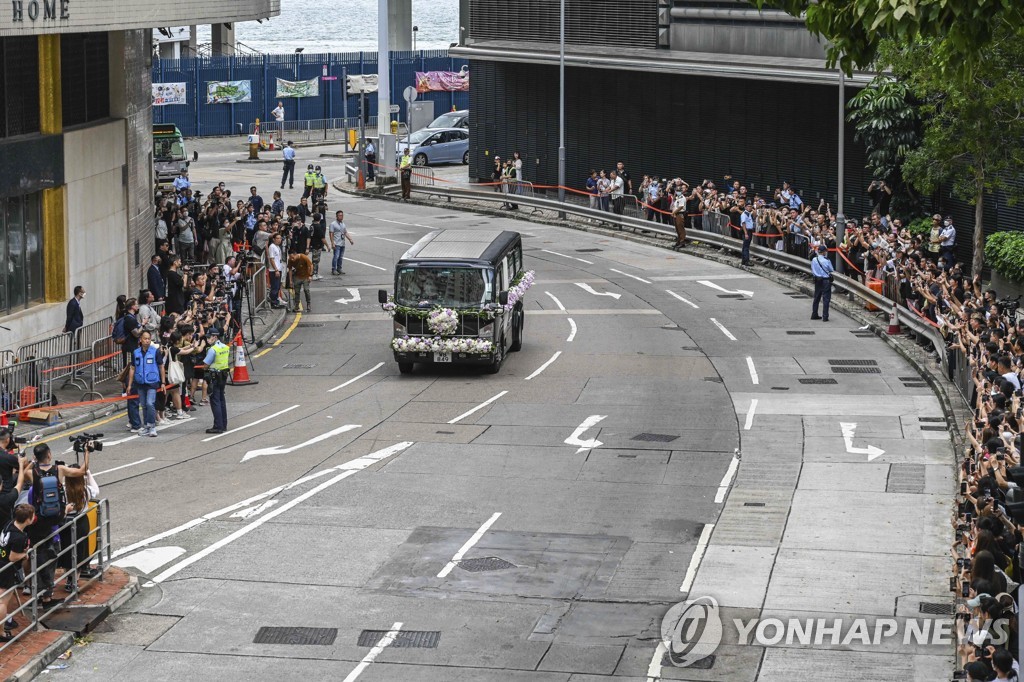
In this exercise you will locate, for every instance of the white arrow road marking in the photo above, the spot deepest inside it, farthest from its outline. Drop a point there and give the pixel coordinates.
(258, 421)
(555, 253)
(680, 298)
(148, 560)
(588, 423)
(590, 290)
(748, 294)
(355, 379)
(223, 542)
(374, 653)
(354, 293)
(253, 511)
(871, 451)
(469, 544)
(284, 451)
(639, 279)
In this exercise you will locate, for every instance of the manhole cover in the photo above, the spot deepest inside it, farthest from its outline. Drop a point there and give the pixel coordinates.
(655, 437)
(856, 370)
(800, 333)
(853, 362)
(307, 325)
(936, 608)
(813, 380)
(296, 636)
(405, 639)
(295, 365)
(483, 564)
(588, 250)
(703, 664)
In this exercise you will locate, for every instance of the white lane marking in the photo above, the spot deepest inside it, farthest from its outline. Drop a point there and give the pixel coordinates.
(148, 560)
(355, 379)
(123, 466)
(376, 267)
(723, 487)
(695, 278)
(572, 330)
(639, 279)
(386, 452)
(557, 302)
(698, 555)
(680, 298)
(258, 421)
(254, 511)
(555, 253)
(753, 370)
(748, 294)
(385, 239)
(654, 669)
(544, 366)
(469, 544)
(374, 652)
(478, 407)
(725, 331)
(590, 443)
(244, 530)
(312, 441)
(750, 415)
(871, 451)
(353, 293)
(159, 427)
(590, 290)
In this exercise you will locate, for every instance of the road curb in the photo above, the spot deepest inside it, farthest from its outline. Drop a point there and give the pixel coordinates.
(272, 328)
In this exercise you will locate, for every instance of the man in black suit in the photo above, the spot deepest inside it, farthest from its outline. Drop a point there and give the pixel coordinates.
(75, 319)
(155, 279)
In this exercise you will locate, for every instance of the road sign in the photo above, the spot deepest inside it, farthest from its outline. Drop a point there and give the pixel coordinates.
(394, 109)
(328, 78)
(410, 94)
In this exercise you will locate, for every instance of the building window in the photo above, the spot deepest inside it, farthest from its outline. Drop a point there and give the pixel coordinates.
(19, 86)
(21, 253)
(84, 77)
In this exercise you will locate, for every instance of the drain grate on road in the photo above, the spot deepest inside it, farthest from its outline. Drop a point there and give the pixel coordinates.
(296, 365)
(588, 250)
(905, 478)
(717, 380)
(815, 380)
(655, 437)
(780, 388)
(856, 370)
(484, 564)
(686, 347)
(703, 664)
(731, 296)
(307, 325)
(296, 636)
(863, 333)
(799, 332)
(753, 504)
(932, 419)
(933, 428)
(936, 608)
(405, 639)
(853, 362)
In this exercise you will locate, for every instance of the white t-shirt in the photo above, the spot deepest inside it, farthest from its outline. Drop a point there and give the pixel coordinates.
(278, 114)
(338, 232)
(275, 256)
(617, 187)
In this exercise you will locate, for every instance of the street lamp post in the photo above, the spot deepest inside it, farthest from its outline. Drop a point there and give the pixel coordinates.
(840, 217)
(383, 74)
(561, 105)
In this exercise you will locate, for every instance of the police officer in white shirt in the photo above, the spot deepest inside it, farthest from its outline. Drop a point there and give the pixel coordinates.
(947, 235)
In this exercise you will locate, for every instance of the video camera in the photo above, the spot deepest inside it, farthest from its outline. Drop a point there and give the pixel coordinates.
(87, 440)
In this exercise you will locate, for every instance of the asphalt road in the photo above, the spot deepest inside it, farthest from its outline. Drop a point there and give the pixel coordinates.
(596, 476)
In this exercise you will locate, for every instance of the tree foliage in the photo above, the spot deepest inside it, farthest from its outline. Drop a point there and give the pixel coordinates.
(855, 29)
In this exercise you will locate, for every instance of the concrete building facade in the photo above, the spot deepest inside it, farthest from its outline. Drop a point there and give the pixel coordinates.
(76, 155)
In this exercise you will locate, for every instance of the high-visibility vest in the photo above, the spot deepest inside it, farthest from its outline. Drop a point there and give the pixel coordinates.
(310, 178)
(406, 162)
(318, 181)
(221, 356)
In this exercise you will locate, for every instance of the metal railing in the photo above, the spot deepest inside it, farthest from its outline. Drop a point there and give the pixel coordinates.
(109, 360)
(48, 347)
(6, 357)
(423, 176)
(94, 331)
(23, 385)
(317, 129)
(74, 558)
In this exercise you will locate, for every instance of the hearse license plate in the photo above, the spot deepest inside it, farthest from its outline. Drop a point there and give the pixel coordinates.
(442, 357)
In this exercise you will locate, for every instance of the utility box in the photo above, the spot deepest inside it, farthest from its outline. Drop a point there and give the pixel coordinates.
(421, 113)
(388, 154)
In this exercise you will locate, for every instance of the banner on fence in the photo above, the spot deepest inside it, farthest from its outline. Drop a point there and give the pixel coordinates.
(228, 92)
(169, 93)
(310, 88)
(362, 84)
(442, 81)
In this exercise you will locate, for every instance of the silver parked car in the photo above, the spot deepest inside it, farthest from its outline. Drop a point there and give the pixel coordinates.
(451, 119)
(429, 146)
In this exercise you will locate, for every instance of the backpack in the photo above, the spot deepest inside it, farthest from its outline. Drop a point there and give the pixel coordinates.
(118, 334)
(47, 493)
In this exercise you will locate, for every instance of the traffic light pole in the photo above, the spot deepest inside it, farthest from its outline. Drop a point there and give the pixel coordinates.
(361, 147)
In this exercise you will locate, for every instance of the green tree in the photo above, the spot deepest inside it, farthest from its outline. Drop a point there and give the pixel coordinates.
(856, 29)
(886, 122)
(973, 127)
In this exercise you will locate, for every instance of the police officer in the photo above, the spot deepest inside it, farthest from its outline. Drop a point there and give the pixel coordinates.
(310, 180)
(747, 223)
(370, 152)
(216, 362)
(405, 170)
(288, 156)
(319, 186)
(821, 268)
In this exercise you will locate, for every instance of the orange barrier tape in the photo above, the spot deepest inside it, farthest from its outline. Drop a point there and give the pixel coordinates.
(922, 316)
(859, 271)
(82, 364)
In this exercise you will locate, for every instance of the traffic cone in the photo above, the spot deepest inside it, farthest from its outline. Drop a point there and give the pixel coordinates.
(894, 322)
(3, 419)
(271, 142)
(240, 375)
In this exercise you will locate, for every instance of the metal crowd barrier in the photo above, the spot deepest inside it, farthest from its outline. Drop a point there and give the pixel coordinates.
(94, 331)
(70, 369)
(23, 385)
(423, 176)
(6, 357)
(76, 557)
(259, 291)
(318, 129)
(717, 223)
(114, 358)
(48, 347)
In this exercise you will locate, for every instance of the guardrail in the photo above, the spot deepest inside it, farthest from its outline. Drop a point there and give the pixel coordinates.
(80, 550)
(911, 319)
(318, 129)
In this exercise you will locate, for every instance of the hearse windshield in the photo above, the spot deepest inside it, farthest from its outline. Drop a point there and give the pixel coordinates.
(447, 287)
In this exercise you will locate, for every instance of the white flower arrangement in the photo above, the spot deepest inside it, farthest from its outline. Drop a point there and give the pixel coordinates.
(520, 285)
(443, 321)
(435, 344)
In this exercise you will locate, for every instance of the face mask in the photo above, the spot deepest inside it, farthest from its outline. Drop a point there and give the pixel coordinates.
(83, 297)
(947, 223)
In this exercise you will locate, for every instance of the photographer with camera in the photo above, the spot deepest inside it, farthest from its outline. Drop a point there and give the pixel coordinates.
(12, 469)
(47, 495)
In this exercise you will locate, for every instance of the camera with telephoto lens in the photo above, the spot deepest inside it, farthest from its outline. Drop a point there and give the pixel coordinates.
(87, 440)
